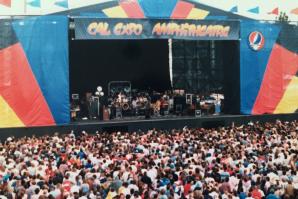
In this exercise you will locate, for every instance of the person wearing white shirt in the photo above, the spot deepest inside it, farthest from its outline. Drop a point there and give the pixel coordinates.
(133, 186)
(152, 174)
(233, 181)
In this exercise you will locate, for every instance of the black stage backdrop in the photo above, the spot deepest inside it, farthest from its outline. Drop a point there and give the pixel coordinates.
(231, 62)
(97, 62)
(146, 64)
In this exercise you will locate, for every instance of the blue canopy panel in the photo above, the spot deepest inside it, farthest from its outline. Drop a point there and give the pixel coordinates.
(253, 63)
(45, 42)
(158, 8)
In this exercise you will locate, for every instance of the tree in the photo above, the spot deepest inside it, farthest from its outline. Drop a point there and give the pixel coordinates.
(283, 17)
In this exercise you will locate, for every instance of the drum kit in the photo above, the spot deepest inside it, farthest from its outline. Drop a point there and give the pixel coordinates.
(122, 101)
(141, 102)
(126, 104)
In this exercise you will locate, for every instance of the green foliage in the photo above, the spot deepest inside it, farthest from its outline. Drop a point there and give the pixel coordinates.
(283, 17)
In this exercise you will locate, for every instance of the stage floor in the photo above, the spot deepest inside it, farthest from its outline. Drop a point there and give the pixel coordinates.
(135, 124)
(143, 119)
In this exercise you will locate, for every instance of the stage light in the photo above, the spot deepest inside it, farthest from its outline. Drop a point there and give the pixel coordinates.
(99, 88)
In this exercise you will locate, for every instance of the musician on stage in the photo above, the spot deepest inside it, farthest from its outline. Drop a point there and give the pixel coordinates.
(164, 104)
(147, 109)
(134, 106)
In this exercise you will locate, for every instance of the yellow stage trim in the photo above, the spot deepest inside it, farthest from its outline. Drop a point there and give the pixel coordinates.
(289, 101)
(196, 13)
(115, 12)
(8, 118)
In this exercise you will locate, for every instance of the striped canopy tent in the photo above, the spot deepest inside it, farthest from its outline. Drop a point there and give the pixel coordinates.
(34, 66)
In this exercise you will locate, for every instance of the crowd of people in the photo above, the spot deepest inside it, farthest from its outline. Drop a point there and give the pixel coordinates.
(250, 161)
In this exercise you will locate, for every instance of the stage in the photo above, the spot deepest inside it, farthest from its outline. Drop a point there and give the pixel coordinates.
(135, 124)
